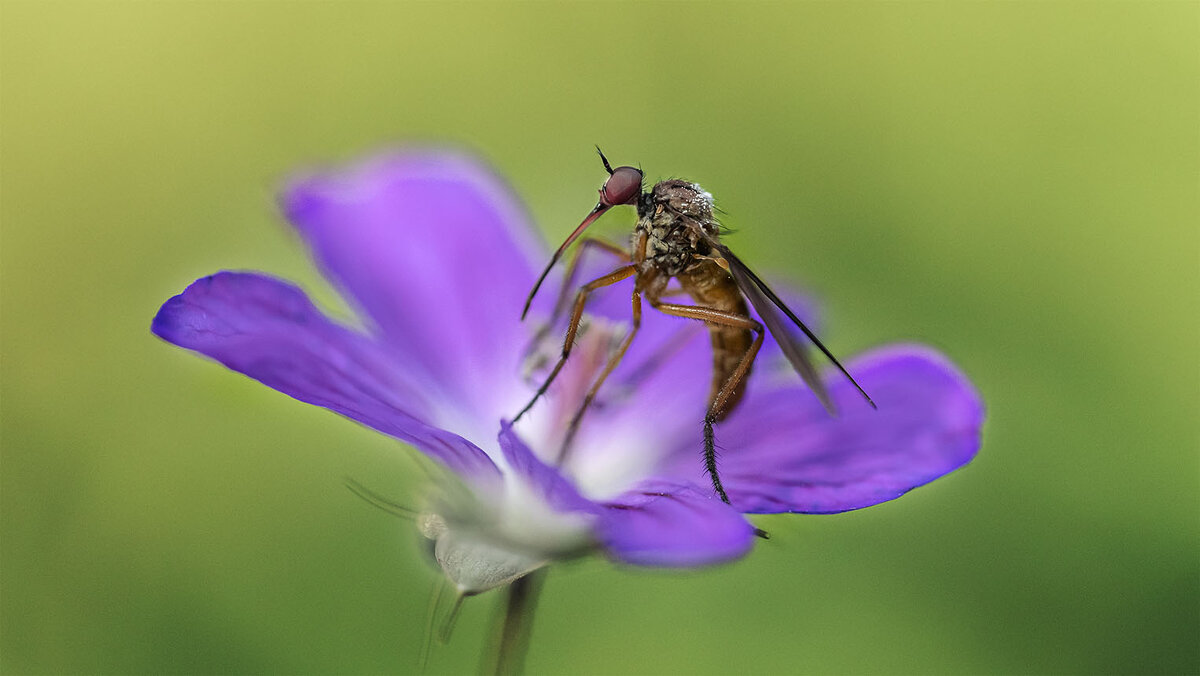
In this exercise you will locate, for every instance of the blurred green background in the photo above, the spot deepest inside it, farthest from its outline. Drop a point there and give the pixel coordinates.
(1016, 184)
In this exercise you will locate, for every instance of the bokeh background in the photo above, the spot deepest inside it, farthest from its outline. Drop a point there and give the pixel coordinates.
(1014, 183)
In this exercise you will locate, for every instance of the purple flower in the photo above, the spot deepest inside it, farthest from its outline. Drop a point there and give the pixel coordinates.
(437, 255)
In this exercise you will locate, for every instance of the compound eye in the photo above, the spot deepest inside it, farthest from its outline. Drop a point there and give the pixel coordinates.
(623, 187)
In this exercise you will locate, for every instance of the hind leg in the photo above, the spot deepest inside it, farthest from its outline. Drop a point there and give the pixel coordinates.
(717, 407)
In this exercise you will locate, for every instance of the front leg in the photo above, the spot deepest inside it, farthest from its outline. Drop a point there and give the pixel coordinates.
(588, 244)
(623, 272)
(560, 305)
(613, 360)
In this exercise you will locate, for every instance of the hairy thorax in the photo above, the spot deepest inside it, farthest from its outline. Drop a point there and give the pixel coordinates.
(673, 218)
(675, 224)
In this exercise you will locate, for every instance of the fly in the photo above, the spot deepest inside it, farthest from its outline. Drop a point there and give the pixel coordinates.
(677, 237)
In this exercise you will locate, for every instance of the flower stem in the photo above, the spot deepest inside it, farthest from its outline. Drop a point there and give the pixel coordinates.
(516, 625)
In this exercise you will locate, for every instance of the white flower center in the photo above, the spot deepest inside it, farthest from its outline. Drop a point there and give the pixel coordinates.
(486, 540)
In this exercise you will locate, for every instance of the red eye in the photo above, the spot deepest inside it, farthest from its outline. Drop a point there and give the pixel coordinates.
(623, 187)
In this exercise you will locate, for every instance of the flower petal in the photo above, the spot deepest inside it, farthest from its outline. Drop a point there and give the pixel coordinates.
(655, 399)
(664, 523)
(547, 481)
(270, 331)
(783, 453)
(439, 254)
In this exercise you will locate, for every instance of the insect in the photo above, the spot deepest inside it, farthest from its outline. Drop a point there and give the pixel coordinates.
(677, 237)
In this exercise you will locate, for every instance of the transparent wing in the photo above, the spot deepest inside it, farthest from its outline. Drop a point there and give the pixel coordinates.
(782, 322)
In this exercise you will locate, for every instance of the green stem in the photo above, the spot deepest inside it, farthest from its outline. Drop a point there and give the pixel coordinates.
(517, 623)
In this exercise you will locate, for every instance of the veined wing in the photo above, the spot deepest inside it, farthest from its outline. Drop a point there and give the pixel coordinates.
(782, 322)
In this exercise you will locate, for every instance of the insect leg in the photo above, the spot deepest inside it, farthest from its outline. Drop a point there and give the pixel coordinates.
(560, 305)
(585, 245)
(608, 369)
(611, 278)
(717, 406)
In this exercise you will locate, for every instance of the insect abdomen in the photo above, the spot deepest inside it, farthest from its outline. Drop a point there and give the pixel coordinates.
(714, 288)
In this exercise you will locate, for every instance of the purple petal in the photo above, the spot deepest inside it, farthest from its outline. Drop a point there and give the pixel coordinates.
(643, 410)
(438, 253)
(670, 524)
(783, 453)
(558, 492)
(270, 331)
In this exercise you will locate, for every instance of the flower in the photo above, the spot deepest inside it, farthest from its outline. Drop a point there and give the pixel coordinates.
(437, 256)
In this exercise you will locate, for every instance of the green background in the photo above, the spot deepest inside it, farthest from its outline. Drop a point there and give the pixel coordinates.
(1016, 184)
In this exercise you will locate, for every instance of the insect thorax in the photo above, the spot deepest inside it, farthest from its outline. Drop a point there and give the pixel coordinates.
(675, 215)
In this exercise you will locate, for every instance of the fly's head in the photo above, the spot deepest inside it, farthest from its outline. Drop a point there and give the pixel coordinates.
(623, 185)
